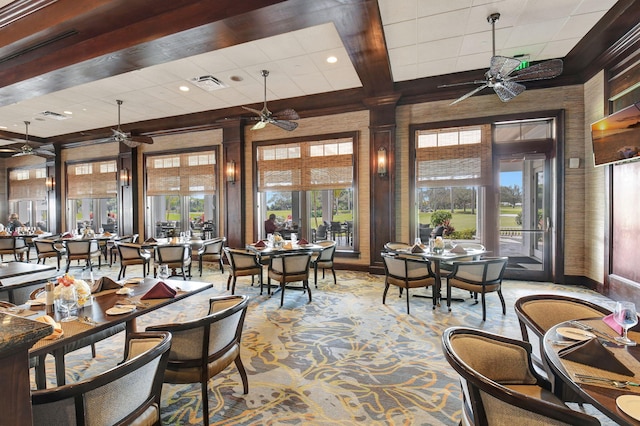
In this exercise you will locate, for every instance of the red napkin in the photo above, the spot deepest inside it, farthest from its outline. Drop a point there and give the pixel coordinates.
(613, 324)
(160, 291)
(260, 244)
(303, 242)
(150, 240)
(67, 235)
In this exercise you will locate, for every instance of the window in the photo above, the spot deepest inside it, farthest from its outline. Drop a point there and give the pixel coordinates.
(309, 186)
(92, 196)
(28, 196)
(181, 194)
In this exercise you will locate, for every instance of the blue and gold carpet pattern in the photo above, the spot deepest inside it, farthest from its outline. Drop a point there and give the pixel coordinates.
(345, 358)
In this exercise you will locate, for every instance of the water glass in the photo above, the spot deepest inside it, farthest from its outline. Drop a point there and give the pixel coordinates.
(294, 238)
(163, 272)
(68, 302)
(625, 315)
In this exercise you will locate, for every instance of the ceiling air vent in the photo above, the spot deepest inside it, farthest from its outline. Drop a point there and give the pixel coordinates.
(54, 115)
(208, 83)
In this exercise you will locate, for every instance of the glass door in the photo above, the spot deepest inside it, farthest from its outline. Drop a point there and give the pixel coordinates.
(523, 216)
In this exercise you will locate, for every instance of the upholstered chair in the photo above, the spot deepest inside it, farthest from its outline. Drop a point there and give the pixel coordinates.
(133, 254)
(324, 260)
(243, 263)
(112, 248)
(499, 385)
(83, 250)
(211, 251)
(46, 249)
(405, 272)
(478, 277)
(15, 247)
(288, 268)
(204, 347)
(177, 256)
(128, 394)
(395, 247)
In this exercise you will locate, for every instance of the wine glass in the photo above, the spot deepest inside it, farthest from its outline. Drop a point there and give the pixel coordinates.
(163, 272)
(68, 302)
(625, 315)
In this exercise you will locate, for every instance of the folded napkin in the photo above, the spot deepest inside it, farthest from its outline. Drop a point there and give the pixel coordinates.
(39, 231)
(591, 352)
(613, 324)
(260, 244)
(57, 328)
(160, 291)
(303, 242)
(104, 283)
(458, 249)
(150, 240)
(106, 234)
(417, 249)
(287, 246)
(67, 235)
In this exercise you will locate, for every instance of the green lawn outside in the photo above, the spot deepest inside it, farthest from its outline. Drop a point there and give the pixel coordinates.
(281, 216)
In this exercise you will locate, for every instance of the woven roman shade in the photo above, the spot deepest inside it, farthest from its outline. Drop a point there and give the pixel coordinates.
(454, 157)
(181, 174)
(305, 166)
(92, 180)
(27, 184)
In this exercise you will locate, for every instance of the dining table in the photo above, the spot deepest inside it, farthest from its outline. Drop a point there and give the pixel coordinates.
(437, 258)
(99, 315)
(15, 275)
(609, 393)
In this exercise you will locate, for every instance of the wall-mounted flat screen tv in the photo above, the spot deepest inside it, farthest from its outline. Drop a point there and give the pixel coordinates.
(616, 138)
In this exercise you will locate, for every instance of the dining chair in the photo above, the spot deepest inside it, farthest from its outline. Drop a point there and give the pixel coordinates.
(177, 256)
(478, 277)
(537, 313)
(324, 260)
(46, 249)
(126, 394)
(13, 246)
(394, 247)
(499, 384)
(204, 347)
(113, 249)
(243, 263)
(211, 251)
(405, 273)
(133, 254)
(288, 268)
(83, 250)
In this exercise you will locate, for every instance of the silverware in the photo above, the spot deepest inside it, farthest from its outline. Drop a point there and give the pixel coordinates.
(587, 327)
(87, 320)
(134, 302)
(616, 383)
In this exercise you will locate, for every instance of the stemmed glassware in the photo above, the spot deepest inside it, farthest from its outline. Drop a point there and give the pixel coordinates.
(625, 315)
(68, 302)
(163, 272)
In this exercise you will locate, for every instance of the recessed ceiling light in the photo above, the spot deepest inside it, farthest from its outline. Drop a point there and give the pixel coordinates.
(332, 59)
(184, 89)
(68, 112)
(235, 78)
(3, 127)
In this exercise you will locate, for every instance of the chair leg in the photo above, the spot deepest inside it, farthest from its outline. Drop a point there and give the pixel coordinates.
(229, 282)
(504, 309)
(384, 294)
(306, 285)
(408, 313)
(233, 286)
(335, 281)
(93, 350)
(123, 268)
(484, 308)
(205, 404)
(200, 265)
(243, 374)
(282, 287)
(221, 266)
(315, 274)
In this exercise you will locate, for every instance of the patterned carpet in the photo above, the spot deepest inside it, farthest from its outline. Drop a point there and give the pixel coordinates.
(343, 359)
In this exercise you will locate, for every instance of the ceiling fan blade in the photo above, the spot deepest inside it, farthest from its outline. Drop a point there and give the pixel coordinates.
(255, 111)
(468, 95)
(285, 124)
(8, 150)
(141, 139)
(259, 125)
(502, 66)
(507, 90)
(541, 71)
(462, 84)
(287, 114)
(44, 153)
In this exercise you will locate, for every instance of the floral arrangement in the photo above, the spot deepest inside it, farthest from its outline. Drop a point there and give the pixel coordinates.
(438, 243)
(277, 238)
(82, 288)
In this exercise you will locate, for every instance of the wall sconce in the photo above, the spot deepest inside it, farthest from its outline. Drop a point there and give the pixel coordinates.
(382, 161)
(231, 171)
(49, 183)
(125, 178)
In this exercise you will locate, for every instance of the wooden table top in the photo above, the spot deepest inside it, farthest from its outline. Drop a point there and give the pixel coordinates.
(15, 269)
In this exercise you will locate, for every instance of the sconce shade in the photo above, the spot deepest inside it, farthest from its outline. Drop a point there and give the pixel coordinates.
(231, 171)
(125, 178)
(49, 183)
(382, 161)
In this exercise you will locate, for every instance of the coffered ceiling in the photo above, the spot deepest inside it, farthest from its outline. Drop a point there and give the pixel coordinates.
(63, 65)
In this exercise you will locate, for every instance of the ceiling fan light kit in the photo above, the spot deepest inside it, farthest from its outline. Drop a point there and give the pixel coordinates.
(505, 74)
(27, 149)
(126, 138)
(282, 119)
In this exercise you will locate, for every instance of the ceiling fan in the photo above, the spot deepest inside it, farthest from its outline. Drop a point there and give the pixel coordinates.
(281, 119)
(127, 138)
(502, 76)
(27, 149)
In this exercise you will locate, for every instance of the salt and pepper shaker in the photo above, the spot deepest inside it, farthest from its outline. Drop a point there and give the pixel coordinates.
(49, 296)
